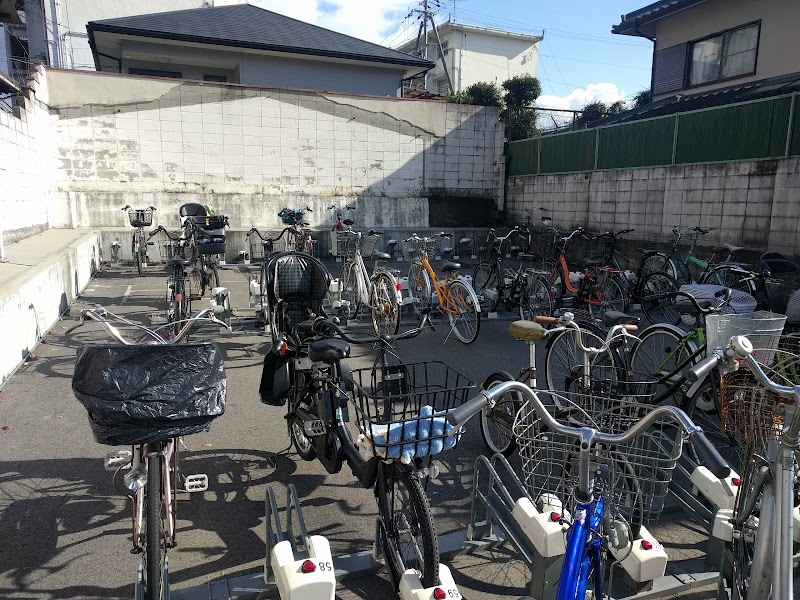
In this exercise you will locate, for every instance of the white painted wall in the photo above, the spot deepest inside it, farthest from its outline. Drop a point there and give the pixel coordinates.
(251, 151)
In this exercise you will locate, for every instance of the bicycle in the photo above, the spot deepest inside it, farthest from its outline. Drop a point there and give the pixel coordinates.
(594, 464)
(596, 289)
(400, 409)
(203, 242)
(179, 285)
(139, 219)
(765, 415)
(456, 297)
(299, 228)
(379, 292)
(711, 272)
(517, 288)
(148, 394)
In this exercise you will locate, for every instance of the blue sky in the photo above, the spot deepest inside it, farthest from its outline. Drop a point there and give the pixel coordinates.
(579, 59)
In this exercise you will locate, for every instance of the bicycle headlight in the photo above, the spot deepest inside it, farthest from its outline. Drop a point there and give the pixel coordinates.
(135, 479)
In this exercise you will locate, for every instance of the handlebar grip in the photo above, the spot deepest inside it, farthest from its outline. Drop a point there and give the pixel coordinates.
(545, 320)
(460, 415)
(701, 369)
(709, 456)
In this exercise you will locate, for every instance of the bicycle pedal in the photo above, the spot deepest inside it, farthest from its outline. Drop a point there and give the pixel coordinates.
(115, 460)
(196, 483)
(314, 428)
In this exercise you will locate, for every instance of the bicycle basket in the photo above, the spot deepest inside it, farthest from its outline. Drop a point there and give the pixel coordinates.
(414, 248)
(546, 243)
(141, 217)
(750, 413)
(402, 409)
(780, 288)
(762, 328)
(368, 243)
(634, 476)
(292, 217)
(487, 249)
(346, 243)
(138, 394)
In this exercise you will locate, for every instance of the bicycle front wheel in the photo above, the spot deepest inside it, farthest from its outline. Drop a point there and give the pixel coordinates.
(483, 278)
(385, 309)
(660, 355)
(348, 279)
(610, 294)
(536, 300)
(419, 286)
(138, 252)
(659, 262)
(564, 360)
(497, 423)
(410, 537)
(661, 310)
(466, 320)
(728, 276)
(153, 554)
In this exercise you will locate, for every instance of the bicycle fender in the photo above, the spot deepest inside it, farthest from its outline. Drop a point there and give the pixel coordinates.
(504, 374)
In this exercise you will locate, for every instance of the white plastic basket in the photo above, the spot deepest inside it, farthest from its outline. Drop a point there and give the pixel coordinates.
(762, 328)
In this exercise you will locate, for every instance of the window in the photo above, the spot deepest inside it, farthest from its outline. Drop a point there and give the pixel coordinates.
(724, 56)
(216, 78)
(155, 73)
(445, 47)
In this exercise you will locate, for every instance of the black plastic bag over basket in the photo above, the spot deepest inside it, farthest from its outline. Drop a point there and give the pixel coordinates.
(139, 394)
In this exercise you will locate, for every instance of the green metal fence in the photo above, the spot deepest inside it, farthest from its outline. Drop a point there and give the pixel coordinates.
(754, 130)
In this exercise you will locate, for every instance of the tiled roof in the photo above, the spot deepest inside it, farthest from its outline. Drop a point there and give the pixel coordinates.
(652, 12)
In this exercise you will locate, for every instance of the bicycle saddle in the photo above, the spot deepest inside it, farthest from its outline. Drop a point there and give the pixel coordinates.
(178, 261)
(592, 263)
(613, 317)
(451, 266)
(328, 350)
(647, 252)
(526, 331)
(381, 256)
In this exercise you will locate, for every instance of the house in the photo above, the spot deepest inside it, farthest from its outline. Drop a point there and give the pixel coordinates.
(700, 46)
(474, 54)
(249, 45)
(54, 33)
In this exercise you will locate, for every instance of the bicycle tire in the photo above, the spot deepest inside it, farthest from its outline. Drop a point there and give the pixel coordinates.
(348, 279)
(662, 310)
(482, 278)
(214, 279)
(497, 423)
(302, 443)
(537, 299)
(178, 300)
(385, 309)
(728, 276)
(466, 322)
(563, 359)
(406, 515)
(153, 553)
(137, 251)
(658, 352)
(611, 296)
(419, 287)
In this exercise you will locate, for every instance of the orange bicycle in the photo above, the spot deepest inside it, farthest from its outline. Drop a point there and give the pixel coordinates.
(597, 290)
(456, 297)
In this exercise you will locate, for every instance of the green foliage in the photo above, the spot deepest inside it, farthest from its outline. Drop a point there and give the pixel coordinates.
(521, 91)
(484, 94)
(520, 123)
(455, 97)
(594, 111)
(642, 98)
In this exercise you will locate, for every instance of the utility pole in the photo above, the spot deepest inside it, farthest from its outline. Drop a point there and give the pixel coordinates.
(427, 15)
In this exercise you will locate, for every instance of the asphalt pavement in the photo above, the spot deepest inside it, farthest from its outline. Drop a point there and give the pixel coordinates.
(65, 532)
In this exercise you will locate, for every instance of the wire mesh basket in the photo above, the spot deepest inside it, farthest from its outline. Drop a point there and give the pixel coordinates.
(141, 217)
(779, 288)
(487, 249)
(762, 328)
(634, 477)
(546, 243)
(750, 413)
(402, 409)
(415, 247)
(260, 249)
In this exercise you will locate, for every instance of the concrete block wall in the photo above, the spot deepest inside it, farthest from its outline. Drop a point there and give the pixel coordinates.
(755, 204)
(248, 152)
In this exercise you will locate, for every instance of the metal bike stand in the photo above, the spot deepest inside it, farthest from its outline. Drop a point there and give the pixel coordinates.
(139, 588)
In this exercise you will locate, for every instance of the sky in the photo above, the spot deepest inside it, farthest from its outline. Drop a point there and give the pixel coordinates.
(579, 59)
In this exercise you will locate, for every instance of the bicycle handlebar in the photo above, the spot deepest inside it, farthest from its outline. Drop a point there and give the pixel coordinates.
(99, 315)
(441, 234)
(319, 326)
(724, 294)
(707, 453)
(166, 233)
(571, 235)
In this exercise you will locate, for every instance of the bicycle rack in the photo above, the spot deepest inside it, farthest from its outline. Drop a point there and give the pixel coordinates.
(139, 587)
(115, 246)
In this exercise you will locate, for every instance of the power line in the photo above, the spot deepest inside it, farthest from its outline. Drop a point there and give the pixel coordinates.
(594, 62)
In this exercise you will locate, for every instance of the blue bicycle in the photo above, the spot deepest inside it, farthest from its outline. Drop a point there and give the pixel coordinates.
(599, 470)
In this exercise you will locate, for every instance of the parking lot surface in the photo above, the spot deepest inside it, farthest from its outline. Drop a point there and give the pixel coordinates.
(65, 531)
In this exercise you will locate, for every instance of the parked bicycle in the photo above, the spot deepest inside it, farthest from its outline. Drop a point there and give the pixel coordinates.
(299, 229)
(594, 463)
(379, 292)
(179, 284)
(400, 409)
(140, 218)
(517, 288)
(148, 394)
(763, 411)
(456, 297)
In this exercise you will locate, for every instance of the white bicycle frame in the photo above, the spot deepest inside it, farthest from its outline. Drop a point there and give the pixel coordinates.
(363, 278)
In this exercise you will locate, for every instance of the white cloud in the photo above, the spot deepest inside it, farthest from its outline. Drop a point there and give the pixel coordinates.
(370, 20)
(607, 93)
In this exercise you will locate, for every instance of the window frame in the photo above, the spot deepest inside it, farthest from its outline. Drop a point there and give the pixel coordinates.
(690, 54)
(141, 72)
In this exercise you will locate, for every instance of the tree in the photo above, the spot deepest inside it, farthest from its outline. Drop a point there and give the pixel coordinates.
(642, 98)
(591, 112)
(483, 94)
(519, 114)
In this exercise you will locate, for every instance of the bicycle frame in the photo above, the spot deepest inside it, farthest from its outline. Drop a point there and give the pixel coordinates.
(446, 303)
(142, 454)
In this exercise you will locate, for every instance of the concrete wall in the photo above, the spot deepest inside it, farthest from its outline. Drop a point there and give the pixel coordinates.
(249, 151)
(28, 201)
(753, 204)
(778, 46)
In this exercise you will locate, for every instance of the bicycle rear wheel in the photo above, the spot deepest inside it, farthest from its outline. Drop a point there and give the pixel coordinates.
(348, 279)
(564, 360)
(485, 277)
(659, 352)
(497, 423)
(410, 540)
(466, 320)
(537, 299)
(153, 554)
(661, 310)
(419, 286)
(385, 309)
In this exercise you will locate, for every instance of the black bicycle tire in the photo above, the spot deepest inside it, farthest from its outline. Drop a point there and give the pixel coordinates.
(424, 290)
(138, 251)
(153, 537)
(735, 282)
(392, 474)
(509, 406)
(524, 299)
(382, 279)
(491, 306)
(598, 342)
(348, 271)
(648, 374)
(649, 309)
(631, 478)
(178, 289)
(457, 283)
